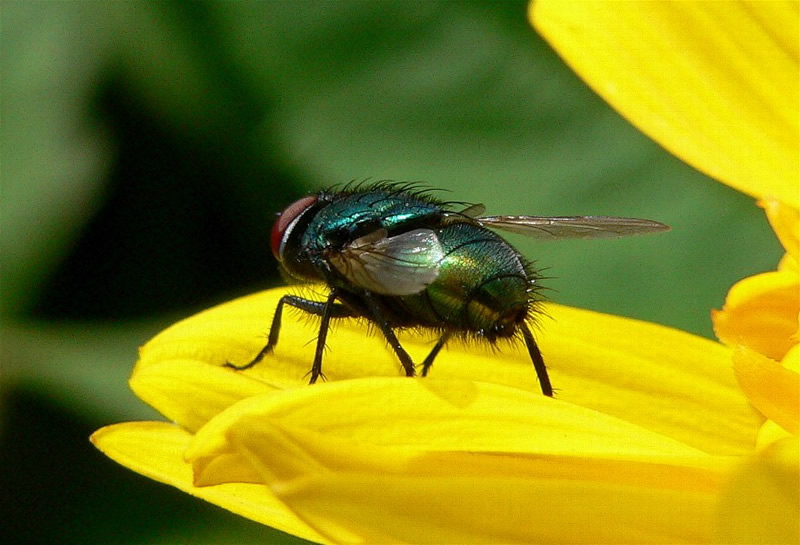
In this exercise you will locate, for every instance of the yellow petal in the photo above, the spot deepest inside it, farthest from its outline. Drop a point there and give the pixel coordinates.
(661, 379)
(715, 83)
(181, 370)
(785, 221)
(761, 313)
(419, 416)
(788, 263)
(362, 493)
(772, 389)
(191, 392)
(792, 359)
(371, 477)
(233, 331)
(365, 508)
(236, 331)
(155, 449)
(769, 434)
(762, 504)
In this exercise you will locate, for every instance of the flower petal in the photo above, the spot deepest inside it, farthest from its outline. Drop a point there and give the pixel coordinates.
(190, 392)
(234, 331)
(391, 494)
(155, 449)
(770, 433)
(181, 370)
(443, 508)
(715, 83)
(384, 474)
(661, 379)
(761, 312)
(762, 504)
(773, 389)
(785, 221)
(418, 416)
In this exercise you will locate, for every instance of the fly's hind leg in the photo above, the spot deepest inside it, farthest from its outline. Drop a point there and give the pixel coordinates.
(538, 361)
(317, 308)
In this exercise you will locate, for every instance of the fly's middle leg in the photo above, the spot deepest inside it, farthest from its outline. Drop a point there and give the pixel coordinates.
(426, 365)
(329, 308)
(380, 319)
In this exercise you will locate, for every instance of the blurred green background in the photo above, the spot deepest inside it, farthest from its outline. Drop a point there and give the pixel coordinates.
(146, 147)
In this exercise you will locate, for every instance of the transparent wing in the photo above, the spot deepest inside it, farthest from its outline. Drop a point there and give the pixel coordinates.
(400, 265)
(473, 211)
(548, 228)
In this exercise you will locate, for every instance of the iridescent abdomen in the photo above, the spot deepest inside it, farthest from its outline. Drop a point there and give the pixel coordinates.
(483, 285)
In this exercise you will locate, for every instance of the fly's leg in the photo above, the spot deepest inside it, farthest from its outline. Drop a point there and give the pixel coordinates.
(316, 308)
(330, 309)
(379, 318)
(538, 361)
(426, 365)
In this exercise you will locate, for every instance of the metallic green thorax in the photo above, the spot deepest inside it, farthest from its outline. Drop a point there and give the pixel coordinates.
(345, 217)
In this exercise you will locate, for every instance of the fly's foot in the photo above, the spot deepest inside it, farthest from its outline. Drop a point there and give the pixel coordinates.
(235, 367)
(316, 375)
(264, 351)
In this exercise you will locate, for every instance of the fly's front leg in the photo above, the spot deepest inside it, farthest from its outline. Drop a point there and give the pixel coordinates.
(538, 361)
(426, 365)
(316, 308)
(380, 319)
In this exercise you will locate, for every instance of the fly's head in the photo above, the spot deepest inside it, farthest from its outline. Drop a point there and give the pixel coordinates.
(287, 239)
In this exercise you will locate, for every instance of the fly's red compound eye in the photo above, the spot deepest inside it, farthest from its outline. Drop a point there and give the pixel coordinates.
(286, 222)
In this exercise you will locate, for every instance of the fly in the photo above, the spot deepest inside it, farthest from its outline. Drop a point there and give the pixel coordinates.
(400, 258)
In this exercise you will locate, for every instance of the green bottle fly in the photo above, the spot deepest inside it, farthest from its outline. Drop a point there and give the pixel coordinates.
(399, 257)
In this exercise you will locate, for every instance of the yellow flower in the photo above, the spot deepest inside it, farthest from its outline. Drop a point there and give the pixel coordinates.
(651, 437)
(646, 416)
(717, 85)
(760, 312)
(760, 318)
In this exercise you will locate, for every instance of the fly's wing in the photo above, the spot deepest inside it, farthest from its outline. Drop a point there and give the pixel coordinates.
(549, 228)
(404, 264)
(473, 211)
(470, 213)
